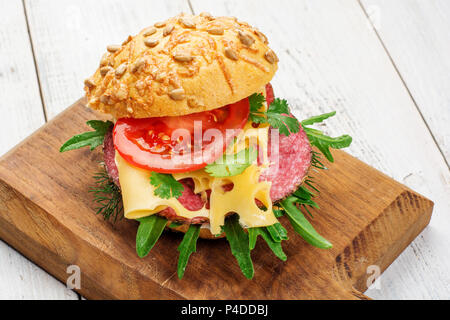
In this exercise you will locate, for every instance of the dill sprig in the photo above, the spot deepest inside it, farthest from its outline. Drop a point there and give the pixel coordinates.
(316, 162)
(107, 196)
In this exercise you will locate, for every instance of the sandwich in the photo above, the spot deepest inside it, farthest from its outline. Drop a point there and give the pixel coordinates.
(198, 143)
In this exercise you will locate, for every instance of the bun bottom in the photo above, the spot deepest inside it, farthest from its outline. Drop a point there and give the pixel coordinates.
(205, 233)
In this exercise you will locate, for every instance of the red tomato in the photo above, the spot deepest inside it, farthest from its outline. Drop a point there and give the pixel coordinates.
(179, 144)
(269, 94)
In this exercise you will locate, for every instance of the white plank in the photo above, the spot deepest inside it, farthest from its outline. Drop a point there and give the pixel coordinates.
(416, 35)
(21, 113)
(70, 37)
(20, 104)
(22, 279)
(332, 59)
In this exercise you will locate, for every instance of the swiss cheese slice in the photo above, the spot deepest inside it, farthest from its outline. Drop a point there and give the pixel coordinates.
(138, 195)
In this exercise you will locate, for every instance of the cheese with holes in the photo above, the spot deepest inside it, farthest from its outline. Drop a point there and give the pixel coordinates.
(138, 195)
(241, 199)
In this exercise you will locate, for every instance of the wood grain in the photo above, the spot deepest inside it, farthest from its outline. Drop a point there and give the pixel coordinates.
(47, 213)
(21, 113)
(331, 59)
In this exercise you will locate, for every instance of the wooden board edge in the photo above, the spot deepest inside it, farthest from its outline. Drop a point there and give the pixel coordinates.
(409, 210)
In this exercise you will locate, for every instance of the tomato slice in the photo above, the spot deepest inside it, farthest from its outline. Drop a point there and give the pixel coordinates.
(179, 144)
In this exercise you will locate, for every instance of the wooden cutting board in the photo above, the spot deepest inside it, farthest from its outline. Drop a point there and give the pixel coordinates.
(48, 215)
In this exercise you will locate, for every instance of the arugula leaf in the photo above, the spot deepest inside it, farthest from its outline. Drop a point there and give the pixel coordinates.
(90, 138)
(166, 185)
(277, 232)
(321, 141)
(175, 225)
(149, 231)
(252, 237)
(302, 226)
(277, 115)
(317, 119)
(232, 164)
(239, 245)
(273, 245)
(278, 212)
(187, 247)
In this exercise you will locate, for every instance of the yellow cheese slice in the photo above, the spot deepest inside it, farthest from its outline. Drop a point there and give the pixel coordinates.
(138, 195)
(241, 200)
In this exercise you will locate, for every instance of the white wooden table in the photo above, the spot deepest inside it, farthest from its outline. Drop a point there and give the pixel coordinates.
(384, 65)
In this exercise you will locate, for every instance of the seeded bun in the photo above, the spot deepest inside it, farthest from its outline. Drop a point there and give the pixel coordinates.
(184, 65)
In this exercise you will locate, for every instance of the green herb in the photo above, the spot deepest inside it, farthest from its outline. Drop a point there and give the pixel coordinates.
(318, 119)
(256, 101)
(187, 247)
(166, 185)
(90, 138)
(277, 232)
(175, 225)
(277, 115)
(301, 225)
(149, 231)
(304, 197)
(107, 196)
(316, 162)
(278, 212)
(321, 141)
(273, 245)
(239, 245)
(232, 164)
(277, 119)
(252, 237)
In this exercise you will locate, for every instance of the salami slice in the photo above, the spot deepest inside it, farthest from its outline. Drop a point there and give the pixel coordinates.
(290, 166)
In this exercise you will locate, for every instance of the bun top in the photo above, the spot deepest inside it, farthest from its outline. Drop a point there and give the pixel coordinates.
(183, 65)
